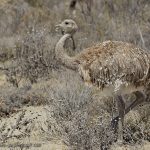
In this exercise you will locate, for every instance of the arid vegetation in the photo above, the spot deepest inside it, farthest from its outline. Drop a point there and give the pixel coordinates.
(33, 83)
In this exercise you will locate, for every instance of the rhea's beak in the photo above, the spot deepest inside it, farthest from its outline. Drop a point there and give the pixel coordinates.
(59, 27)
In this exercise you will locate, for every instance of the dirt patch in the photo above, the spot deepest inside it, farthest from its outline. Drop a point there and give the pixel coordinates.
(28, 128)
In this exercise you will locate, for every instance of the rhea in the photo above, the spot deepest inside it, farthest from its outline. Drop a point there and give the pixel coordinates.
(115, 67)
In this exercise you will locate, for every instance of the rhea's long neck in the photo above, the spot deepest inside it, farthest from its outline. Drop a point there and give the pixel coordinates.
(62, 56)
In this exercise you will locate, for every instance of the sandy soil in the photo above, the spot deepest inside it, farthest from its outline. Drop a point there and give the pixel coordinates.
(28, 128)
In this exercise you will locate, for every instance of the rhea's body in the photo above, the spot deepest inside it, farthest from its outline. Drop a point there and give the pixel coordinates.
(114, 66)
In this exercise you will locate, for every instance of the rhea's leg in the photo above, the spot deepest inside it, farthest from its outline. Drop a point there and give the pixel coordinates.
(140, 97)
(121, 110)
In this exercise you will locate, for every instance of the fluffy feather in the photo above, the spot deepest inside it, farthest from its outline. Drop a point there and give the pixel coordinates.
(105, 63)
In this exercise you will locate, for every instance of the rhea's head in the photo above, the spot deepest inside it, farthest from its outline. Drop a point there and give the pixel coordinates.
(68, 26)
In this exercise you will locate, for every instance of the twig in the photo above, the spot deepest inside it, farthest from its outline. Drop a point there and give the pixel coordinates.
(141, 36)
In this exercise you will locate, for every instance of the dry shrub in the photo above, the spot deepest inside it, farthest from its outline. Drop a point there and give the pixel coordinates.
(82, 122)
(83, 128)
(79, 125)
(137, 127)
(13, 99)
(34, 58)
(6, 54)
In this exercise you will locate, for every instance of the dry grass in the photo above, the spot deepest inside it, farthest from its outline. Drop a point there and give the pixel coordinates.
(75, 114)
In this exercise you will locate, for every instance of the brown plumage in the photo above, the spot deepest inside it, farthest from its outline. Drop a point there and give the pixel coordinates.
(115, 67)
(106, 62)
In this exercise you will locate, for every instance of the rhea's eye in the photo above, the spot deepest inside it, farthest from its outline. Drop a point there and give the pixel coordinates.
(66, 23)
